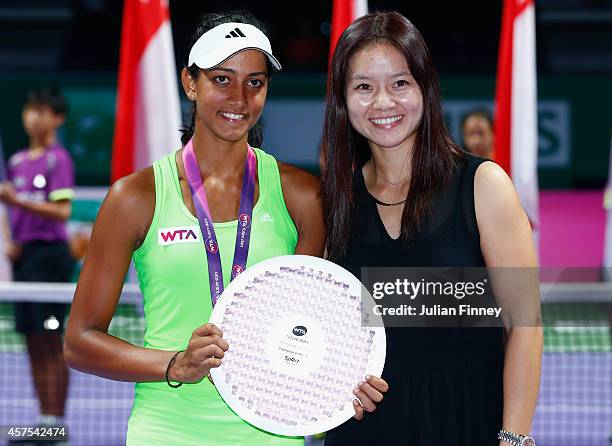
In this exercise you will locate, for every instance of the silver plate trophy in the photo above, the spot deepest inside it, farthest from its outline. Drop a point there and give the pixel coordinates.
(297, 344)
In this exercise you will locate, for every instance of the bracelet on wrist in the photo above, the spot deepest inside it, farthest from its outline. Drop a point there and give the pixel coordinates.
(515, 439)
(170, 364)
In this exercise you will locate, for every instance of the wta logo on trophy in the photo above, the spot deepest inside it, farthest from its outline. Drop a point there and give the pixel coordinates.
(300, 330)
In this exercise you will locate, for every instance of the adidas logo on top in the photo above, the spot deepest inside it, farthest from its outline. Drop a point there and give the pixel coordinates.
(235, 33)
(266, 217)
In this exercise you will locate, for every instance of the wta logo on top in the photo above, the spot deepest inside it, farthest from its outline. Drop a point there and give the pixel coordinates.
(178, 234)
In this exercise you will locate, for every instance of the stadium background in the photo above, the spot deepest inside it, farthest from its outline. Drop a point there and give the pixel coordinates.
(75, 45)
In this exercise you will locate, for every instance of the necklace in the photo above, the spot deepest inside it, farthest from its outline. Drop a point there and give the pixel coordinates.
(388, 204)
(396, 185)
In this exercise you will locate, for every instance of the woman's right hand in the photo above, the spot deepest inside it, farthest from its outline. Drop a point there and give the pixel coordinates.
(204, 352)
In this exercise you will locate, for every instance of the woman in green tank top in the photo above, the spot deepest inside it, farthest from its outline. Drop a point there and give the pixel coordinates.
(151, 216)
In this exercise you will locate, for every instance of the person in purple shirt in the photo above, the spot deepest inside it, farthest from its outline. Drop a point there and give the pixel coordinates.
(38, 193)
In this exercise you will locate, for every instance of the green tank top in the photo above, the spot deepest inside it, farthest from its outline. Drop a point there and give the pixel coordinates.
(173, 274)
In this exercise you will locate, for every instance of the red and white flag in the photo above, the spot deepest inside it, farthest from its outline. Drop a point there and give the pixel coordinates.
(344, 12)
(516, 117)
(148, 113)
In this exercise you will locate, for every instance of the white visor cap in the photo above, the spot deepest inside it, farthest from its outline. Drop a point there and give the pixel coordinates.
(223, 41)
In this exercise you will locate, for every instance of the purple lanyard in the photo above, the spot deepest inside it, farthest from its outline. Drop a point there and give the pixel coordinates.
(245, 212)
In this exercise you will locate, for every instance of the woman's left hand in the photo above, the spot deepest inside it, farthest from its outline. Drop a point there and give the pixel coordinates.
(369, 393)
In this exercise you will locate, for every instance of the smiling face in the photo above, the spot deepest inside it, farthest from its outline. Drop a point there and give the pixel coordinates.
(230, 97)
(384, 102)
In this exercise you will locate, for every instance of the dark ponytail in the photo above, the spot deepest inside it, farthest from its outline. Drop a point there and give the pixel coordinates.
(187, 130)
(208, 22)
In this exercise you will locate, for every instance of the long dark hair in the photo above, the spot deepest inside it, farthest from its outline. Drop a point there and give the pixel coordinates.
(345, 150)
(208, 22)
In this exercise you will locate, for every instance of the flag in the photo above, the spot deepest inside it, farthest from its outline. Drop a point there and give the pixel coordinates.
(148, 113)
(607, 263)
(516, 127)
(344, 12)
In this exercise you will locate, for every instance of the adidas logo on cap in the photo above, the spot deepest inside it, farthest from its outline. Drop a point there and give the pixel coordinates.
(213, 47)
(235, 33)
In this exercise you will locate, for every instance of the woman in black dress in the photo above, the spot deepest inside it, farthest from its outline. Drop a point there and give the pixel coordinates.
(398, 192)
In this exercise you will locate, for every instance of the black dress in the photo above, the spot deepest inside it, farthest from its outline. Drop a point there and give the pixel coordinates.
(445, 384)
